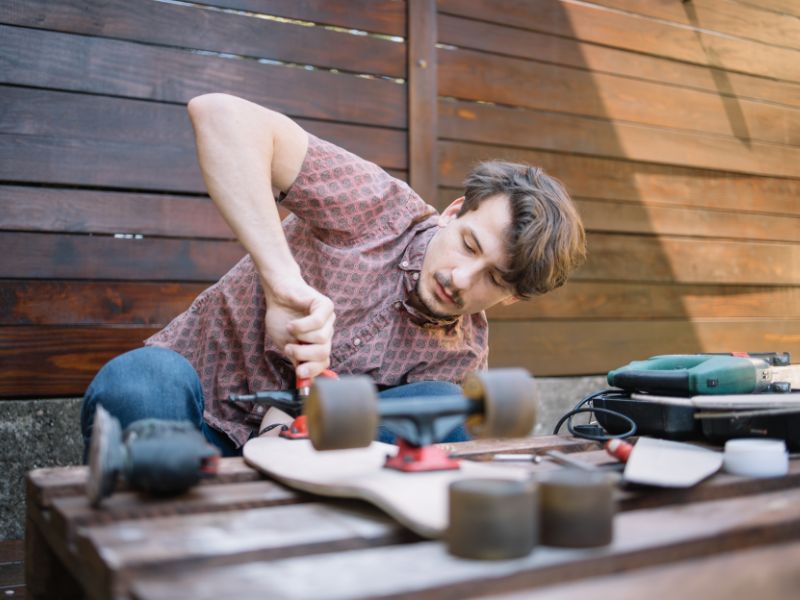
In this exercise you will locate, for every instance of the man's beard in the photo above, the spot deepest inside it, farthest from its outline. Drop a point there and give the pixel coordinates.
(444, 281)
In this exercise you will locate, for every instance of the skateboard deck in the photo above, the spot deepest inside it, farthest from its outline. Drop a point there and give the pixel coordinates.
(417, 500)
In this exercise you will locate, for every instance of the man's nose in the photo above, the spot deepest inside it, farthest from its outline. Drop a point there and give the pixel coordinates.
(465, 275)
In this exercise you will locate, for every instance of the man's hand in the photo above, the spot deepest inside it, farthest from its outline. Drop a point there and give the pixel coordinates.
(299, 321)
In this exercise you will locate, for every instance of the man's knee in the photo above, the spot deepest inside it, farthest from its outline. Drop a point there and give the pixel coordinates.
(146, 382)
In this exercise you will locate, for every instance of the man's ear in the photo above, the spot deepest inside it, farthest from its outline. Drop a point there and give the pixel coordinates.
(451, 212)
(509, 301)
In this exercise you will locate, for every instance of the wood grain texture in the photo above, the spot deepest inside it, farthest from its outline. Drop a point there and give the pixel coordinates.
(543, 47)
(515, 82)
(209, 30)
(723, 16)
(118, 68)
(621, 300)
(60, 302)
(601, 178)
(380, 16)
(422, 91)
(529, 129)
(592, 23)
(650, 218)
(64, 256)
(641, 539)
(51, 362)
(596, 347)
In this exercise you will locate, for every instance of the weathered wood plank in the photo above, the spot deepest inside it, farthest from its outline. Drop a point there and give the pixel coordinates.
(766, 573)
(511, 41)
(510, 81)
(46, 484)
(35, 58)
(591, 177)
(54, 302)
(120, 552)
(60, 361)
(657, 219)
(64, 256)
(79, 139)
(592, 300)
(641, 538)
(89, 211)
(690, 260)
(210, 30)
(547, 131)
(592, 23)
(380, 16)
(596, 347)
(723, 16)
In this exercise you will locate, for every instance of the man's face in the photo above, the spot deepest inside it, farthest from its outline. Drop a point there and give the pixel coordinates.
(461, 269)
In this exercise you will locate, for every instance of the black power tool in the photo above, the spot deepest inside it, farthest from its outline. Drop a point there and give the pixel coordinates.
(152, 455)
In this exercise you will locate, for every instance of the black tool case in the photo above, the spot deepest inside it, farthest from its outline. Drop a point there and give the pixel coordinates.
(666, 421)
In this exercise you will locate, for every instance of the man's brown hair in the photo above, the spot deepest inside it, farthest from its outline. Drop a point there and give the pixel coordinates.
(546, 241)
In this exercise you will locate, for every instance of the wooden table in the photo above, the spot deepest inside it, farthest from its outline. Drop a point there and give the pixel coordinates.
(240, 535)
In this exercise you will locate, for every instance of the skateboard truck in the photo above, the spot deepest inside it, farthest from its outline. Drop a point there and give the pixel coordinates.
(289, 402)
(345, 414)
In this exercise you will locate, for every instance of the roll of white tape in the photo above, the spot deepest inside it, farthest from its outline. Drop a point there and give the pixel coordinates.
(755, 457)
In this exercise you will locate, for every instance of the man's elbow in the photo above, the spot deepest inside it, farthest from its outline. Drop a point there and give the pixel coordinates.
(210, 104)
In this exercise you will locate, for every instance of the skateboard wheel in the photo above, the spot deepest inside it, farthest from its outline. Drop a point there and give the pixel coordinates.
(342, 413)
(510, 401)
(576, 509)
(106, 456)
(492, 519)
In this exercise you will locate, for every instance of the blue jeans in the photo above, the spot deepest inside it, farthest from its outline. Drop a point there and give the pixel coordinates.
(158, 383)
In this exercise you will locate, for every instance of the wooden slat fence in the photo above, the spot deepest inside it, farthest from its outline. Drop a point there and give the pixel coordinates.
(675, 125)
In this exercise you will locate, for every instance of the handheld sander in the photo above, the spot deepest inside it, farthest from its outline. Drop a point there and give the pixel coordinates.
(152, 455)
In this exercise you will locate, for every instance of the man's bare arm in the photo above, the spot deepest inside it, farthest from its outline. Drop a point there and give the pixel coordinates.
(244, 151)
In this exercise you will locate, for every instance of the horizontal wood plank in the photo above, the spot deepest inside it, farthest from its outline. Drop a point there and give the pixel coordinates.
(593, 177)
(596, 347)
(510, 81)
(58, 302)
(641, 539)
(658, 219)
(71, 210)
(229, 32)
(550, 131)
(380, 16)
(57, 256)
(543, 47)
(723, 16)
(110, 67)
(592, 300)
(592, 23)
(617, 257)
(60, 361)
(232, 537)
(79, 139)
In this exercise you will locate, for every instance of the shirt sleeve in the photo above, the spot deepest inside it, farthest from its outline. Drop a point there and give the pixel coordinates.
(344, 197)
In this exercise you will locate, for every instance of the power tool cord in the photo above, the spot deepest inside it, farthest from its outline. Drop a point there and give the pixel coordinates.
(579, 408)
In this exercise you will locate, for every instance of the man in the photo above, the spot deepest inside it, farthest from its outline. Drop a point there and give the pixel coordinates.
(405, 286)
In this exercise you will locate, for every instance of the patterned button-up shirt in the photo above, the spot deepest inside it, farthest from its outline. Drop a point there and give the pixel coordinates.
(359, 237)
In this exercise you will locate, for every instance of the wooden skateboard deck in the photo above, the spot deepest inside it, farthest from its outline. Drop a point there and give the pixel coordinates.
(417, 500)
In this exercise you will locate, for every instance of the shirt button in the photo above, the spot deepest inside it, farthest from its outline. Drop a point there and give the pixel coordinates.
(415, 276)
(357, 341)
(259, 409)
(397, 305)
(404, 264)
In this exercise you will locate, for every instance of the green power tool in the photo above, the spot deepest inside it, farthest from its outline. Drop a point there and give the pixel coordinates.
(708, 374)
